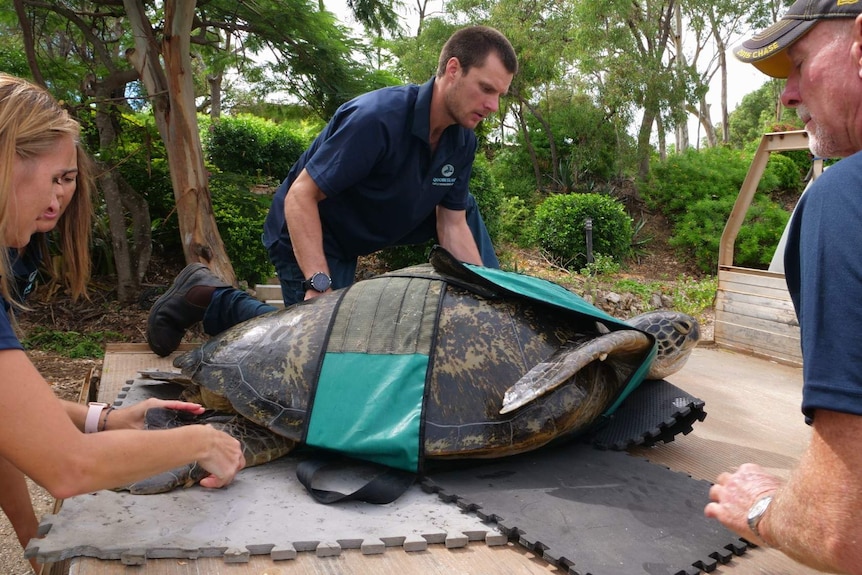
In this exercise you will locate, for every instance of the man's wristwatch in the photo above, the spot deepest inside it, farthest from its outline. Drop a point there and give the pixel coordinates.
(319, 282)
(756, 513)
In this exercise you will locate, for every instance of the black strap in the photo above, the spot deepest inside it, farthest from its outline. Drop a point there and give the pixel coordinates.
(385, 487)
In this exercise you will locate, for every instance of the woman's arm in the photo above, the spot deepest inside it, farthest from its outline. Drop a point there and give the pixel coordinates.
(131, 417)
(15, 503)
(38, 437)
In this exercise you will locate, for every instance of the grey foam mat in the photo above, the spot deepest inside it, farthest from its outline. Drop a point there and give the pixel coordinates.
(595, 512)
(264, 511)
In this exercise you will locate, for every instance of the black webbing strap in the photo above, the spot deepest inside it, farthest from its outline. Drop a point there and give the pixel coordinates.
(385, 487)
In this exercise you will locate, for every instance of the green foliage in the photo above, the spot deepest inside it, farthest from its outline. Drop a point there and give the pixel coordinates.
(697, 191)
(694, 296)
(240, 215)
(786, 171)
(514, 221)
(511, 167)
(601, 265)
(676, 183)
(250, 145)
(688, 295)
(558, 227)
(699, 231)
(70, 344)
(590, 151)
(760, 112)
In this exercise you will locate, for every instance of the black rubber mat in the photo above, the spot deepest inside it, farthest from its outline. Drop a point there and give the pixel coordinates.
(656, 411)
(594, 511)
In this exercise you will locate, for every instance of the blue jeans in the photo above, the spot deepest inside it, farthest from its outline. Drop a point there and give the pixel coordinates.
(230, 306)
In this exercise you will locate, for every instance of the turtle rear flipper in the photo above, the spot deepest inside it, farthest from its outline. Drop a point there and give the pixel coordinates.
(568, 360)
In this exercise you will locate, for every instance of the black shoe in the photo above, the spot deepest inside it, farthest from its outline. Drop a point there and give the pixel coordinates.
(172, 315)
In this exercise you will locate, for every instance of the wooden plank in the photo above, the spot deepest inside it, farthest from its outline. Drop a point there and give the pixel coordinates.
(754, 314)
(757, 316)
(755, 285)
(779, 347)
(764, 277)
(474, 559)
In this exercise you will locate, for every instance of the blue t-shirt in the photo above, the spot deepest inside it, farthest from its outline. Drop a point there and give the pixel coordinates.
(373, 162)
(823, 266)
(8, 339)
(25, 269)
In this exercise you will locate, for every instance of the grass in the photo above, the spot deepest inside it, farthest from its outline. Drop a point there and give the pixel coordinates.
(71, 344)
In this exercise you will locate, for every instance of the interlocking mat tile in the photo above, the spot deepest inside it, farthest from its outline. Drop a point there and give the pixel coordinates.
(594, 511)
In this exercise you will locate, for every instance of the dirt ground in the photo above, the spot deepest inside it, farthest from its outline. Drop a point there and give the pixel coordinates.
(102, 313)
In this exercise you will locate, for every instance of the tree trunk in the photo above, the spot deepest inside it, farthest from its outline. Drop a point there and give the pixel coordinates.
(531, 150)
(29, 43)
(130, 258)
(171, 92)
(552, 146)
(643, 142)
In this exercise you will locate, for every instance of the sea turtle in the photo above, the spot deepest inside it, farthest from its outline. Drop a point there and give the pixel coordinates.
(430, 356)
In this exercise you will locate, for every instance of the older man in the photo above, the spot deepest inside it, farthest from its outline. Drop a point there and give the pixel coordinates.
(814, 516)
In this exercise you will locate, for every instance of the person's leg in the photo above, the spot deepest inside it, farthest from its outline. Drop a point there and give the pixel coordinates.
(480, 234)
(189, 300)
(230, 306)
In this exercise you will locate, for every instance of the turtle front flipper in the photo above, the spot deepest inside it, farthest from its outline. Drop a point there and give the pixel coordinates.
(259, 445)
(568, 360)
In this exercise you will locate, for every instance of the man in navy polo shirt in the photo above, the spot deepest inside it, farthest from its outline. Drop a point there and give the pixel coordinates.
(391, 168)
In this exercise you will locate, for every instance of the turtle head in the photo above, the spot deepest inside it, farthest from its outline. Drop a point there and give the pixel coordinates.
(676, 334)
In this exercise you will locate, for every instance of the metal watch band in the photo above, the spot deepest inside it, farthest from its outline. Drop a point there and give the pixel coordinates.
(756, 513)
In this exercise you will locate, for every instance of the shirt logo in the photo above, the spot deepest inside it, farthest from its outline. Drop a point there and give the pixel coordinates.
(447, 179)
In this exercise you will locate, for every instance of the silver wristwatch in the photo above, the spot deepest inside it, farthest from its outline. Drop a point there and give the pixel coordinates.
(756, 513)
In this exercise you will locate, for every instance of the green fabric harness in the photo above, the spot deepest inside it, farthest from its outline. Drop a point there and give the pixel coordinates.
(378, 417)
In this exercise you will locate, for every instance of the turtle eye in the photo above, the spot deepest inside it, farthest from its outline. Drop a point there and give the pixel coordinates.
(682, 327)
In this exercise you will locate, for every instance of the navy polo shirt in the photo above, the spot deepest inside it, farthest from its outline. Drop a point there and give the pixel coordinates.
(373, 162)
(824, 278)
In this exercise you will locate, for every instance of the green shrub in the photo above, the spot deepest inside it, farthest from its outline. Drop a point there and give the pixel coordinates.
(249, 145)
(788, 176)
(699, 232)
(697, 191)
(558, 228)
(514, 221)
(683, 179)
(239, 215)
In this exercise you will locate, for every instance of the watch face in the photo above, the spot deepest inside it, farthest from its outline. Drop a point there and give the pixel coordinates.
(759, 507)
(320, 282)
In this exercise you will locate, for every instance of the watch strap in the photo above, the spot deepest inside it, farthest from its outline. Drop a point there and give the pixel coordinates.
(94, 413)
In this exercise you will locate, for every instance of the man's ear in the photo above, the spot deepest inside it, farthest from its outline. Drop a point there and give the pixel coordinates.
(453, 67)
(856, 46)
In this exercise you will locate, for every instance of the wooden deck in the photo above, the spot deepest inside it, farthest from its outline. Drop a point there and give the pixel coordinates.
(753, 415)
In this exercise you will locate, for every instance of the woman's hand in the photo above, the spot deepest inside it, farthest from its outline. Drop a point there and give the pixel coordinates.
(132, 417)
(224, 460)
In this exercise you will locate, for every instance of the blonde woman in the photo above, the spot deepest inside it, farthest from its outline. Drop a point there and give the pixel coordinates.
(49, 440)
